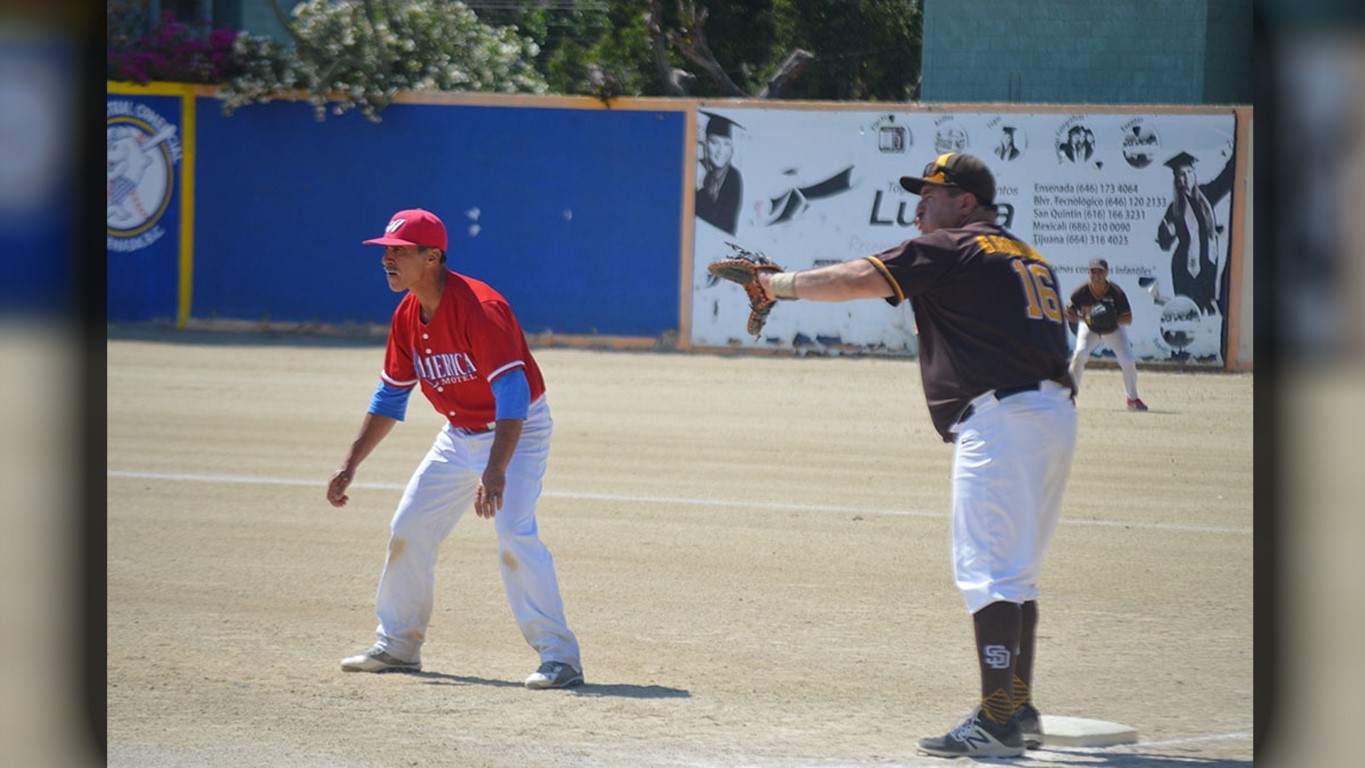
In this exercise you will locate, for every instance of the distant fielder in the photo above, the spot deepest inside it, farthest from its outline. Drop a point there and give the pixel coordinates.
(457, 338)
(1102, 313)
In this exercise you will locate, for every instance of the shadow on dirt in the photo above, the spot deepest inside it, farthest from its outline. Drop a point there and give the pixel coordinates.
(1101, 758)
(598, 690)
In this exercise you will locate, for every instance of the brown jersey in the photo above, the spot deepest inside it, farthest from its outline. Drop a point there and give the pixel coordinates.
(987, 314)
(1084, 298)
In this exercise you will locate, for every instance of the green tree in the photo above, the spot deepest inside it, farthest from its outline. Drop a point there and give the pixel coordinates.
(566, 34)
(811, 49)
(596, 47)
(743, 37)
(359, 55)
(867, 50)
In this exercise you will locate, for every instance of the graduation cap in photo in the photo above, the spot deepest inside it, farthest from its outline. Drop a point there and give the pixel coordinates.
(1182, 160)
(719, 125)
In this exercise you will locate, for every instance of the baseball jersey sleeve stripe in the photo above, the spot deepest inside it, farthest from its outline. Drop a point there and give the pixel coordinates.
(505, 368)
(886, 273)
(390, 401)
(386, 377)
(513, 395)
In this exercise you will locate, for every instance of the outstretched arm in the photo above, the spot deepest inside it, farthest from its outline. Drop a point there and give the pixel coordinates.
(845, 281)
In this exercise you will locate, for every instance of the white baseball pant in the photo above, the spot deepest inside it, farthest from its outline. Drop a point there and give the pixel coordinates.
(440, 492)
(1010, 465)
(1088, 341)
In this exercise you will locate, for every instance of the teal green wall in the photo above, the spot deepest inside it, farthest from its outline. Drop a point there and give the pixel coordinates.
(259, 17)
(1227, 60)
(255, 16)
(1087, 51)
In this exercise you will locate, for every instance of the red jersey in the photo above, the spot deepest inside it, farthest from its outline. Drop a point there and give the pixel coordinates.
(471, 341)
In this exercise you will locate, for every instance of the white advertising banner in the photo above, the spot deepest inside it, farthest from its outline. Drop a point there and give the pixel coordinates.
(1149, 193)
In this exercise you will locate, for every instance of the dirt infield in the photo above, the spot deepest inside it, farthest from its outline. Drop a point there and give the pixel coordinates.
(753, 552)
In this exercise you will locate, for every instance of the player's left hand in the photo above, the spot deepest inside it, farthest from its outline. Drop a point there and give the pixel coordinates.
(488, 496)
(336, 488)
(744, 268)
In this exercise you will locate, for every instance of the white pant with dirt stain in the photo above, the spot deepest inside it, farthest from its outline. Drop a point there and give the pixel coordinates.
(440, 492)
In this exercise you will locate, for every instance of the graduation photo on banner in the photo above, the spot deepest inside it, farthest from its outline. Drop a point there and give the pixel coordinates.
(1149, 193)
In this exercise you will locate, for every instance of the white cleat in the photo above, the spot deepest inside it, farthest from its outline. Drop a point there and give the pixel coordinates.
(376, 659)
(554, 674)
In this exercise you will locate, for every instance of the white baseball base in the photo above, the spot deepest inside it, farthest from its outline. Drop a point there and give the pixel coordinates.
(1084, 732)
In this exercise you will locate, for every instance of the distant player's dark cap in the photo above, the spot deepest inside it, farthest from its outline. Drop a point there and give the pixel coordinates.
(413, 227)
(1099, 264)
(719, 125)
(957, 170)
(1182, 160)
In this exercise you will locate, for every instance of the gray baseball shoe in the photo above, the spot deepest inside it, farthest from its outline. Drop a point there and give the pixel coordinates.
(554, 674)
(977, 736)
(1030, 725)
(376, 659)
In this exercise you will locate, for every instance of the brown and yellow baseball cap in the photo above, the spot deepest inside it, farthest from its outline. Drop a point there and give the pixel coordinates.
(958, 170)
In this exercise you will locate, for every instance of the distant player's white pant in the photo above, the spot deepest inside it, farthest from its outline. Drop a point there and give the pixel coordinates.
(437, 496)
(1010, 465)
(1087, 341)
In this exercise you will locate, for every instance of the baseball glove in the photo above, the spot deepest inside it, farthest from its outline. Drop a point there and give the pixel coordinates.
(743, 268)
(1102, 318)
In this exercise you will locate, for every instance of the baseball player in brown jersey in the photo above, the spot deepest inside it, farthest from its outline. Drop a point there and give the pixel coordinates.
(993, 358)
(1106, 326)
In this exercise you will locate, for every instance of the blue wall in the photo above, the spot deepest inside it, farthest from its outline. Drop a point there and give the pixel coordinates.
(578, 211)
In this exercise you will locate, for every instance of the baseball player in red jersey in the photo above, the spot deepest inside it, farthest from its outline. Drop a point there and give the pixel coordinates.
(993, 359)
(458, 339)
(1091, 333)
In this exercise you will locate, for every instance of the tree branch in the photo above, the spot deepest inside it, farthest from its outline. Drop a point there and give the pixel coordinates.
(786, 74)
(691, 43)
(671, 79)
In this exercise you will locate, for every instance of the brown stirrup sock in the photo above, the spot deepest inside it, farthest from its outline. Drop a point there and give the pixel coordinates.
(997, 642)
(1022, 694)
(1023, 668)
(998, 707)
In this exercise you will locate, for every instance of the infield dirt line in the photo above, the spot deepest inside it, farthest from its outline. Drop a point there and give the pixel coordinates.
(778, 506)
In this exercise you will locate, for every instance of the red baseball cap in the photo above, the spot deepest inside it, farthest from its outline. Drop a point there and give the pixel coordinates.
(413, 227)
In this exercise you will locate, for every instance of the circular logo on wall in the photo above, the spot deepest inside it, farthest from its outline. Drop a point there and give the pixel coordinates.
(1187, 332)
(950, 138)
(1140, 144)
(1011, 143)
(142, 151)
(1075, 141)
